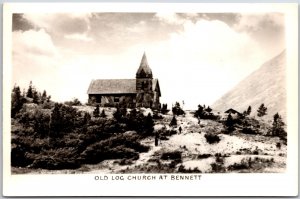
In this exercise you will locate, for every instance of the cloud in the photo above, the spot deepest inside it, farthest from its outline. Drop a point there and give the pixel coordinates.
(34, 42)
(201, 62)
(80, 37)
(61, 23)
(35, 58)
(170, 18)
(257, 22)
(267, 29)
(197, 58)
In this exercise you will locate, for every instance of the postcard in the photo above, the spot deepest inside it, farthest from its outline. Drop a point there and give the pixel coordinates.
(150, 99)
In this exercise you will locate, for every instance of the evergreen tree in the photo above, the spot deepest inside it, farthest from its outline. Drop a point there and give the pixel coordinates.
(48, 98)
(120, 113)
(164, 109)
(208, 109)
(55, 121)
(148, 124)
(262, 110)
(86, 118)
(35, 97)
(96, 111)
(173, 121)
(278, 126)
(103, 113)
(44, 97)
(199, 112)
(249, 110)
(17, 101)
(30, 91)
(229, 124)
(177, 110)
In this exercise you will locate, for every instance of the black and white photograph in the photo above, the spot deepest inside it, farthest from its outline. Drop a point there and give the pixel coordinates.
(136, 94)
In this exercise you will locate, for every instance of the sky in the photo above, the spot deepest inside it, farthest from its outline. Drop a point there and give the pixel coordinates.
(197, 57)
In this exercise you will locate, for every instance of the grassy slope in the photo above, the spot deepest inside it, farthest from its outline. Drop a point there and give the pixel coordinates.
(239, 152)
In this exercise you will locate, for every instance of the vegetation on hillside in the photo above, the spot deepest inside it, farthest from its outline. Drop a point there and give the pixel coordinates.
(59, 136)
(56, 136)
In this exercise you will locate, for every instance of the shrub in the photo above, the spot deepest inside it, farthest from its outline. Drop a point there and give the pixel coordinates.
(177, 110)
(156, 116)
(171, 155)
(64, 119)
(164, 110)
(96, 111)
(229, 124)
(217, 168)
(48, 105)
(173, 121)
(62, 158)
(17, 101)
(203, 156)
(205, 113)
(212, 138)
(278, 127)
(102, 113)
(262, 110)
(182, 169)
(74, 102)
(116, 147)
(247, 130)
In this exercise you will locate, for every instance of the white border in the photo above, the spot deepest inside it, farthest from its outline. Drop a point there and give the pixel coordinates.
(284, 184)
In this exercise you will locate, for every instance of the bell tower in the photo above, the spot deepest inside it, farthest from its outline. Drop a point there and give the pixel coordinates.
(145, 94)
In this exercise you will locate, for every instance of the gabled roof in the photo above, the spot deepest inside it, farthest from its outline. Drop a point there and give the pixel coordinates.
(144, 69)
(112, 86)
(155, 85)
(233, 111)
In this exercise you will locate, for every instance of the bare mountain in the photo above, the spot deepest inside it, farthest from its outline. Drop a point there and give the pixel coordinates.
(265, 85)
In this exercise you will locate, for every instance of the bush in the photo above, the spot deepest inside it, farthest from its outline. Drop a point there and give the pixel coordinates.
(171, 155)
(173, 121)
(177, 110)
(62, 158)
(203, 156)
(156, 116)
(205, 113)
(96, 111)
(74, 102)
(217, 168)
(116, 147)
(182, 169)
(164, 110)
(212, 138)
(247, 130)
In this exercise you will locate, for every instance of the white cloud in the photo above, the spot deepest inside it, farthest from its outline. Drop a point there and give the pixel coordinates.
(254, 22)
(36, 42)
(80, 37)
(197, 64)
(61, 23)
(203, 61)
(170, 18)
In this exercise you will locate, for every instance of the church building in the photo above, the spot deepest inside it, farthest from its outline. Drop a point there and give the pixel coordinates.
(143, 91)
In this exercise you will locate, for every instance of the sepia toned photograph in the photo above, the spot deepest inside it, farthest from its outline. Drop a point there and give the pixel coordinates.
(180, 92)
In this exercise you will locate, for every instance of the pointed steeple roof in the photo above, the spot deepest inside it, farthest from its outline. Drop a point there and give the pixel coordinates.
(144, 69)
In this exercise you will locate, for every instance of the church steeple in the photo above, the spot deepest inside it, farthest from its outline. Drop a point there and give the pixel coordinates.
(144, 70)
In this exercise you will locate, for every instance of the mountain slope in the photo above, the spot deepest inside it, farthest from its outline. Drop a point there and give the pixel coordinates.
(265, 85)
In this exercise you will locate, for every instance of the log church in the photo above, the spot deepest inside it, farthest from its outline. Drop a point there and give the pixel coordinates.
(143, 91)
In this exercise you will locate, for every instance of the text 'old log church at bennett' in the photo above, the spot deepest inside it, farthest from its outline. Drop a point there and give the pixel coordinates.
(143, 91)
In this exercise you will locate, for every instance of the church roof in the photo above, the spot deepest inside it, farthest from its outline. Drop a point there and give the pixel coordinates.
(112, 86)
(144, 69)
(116, 86)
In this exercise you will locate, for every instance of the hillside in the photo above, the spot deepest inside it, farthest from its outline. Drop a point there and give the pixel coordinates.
(265, 85)
(178, 151)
